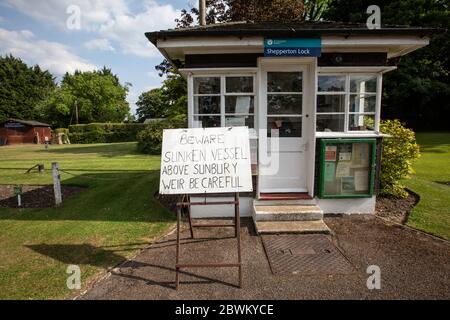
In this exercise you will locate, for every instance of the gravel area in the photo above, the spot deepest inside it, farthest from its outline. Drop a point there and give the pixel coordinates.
(396, 209)
(413, 266)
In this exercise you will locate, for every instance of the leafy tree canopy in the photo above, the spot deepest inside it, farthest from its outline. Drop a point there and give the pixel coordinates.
(22, 89)
(418, 92)
(169, 101)
(98, 96)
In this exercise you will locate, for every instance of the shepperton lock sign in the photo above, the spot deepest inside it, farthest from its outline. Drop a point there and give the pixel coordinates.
(205, 160)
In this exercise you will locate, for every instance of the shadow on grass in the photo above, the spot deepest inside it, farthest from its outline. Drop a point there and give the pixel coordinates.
(105, 150)
(78, 254)
(115, 196)
(436, 142)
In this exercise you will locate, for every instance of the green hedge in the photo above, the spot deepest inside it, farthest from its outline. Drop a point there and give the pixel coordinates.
(104, 132)
(150, 139)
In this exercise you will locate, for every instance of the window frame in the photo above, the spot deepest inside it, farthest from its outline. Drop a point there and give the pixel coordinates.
(348, 93)
(223, 94)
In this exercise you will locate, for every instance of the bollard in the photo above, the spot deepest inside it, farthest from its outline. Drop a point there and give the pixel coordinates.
(56, 183)
(18, 193)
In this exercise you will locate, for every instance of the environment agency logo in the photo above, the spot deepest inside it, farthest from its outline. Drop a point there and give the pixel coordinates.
(270, 42)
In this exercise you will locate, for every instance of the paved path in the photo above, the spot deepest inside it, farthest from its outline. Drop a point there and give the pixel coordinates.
(413, 266)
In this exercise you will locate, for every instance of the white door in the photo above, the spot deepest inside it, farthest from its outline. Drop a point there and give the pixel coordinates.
(283, 109)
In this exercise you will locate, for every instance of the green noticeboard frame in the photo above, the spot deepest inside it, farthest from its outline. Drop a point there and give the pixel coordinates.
(372, 164)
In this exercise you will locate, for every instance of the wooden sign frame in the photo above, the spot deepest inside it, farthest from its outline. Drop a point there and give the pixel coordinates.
(184, 206)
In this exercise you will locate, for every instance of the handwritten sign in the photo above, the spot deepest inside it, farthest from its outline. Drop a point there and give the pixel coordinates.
(205, 160)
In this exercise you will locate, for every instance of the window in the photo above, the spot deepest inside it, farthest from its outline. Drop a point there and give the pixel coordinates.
(346, 102)
(284, 103)
(223, 101)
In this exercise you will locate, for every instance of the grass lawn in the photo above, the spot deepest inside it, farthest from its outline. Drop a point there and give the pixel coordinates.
(431, 181)
(95, 229)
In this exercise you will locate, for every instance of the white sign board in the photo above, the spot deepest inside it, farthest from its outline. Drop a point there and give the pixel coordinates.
(205, 160)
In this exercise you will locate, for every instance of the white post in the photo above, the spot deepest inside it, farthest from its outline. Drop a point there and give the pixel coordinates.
(56, 183)
(19, 200)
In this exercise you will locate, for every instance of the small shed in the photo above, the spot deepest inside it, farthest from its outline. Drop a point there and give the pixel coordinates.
(14, 131)
(310, 94)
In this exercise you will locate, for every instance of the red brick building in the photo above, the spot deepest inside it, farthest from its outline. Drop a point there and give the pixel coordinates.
(15, 131)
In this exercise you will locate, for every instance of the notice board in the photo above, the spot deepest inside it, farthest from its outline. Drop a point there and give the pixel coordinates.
(205, 160)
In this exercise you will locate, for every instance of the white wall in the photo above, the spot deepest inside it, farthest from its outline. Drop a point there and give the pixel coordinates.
(220, 211)
(348, 206)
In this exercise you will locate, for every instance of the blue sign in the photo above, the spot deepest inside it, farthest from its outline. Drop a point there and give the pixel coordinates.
(292, 47)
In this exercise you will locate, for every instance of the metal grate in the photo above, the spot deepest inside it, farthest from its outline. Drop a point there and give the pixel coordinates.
(304, 254)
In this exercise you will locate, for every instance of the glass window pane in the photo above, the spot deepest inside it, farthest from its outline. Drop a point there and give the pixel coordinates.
(347, 168)
(207, 85)
(331, 83)
(289, 127)
(239, 84)
(361, 122)
(330, 123)
(331, 103)
(284, 82)
(206, 121)
(239, 121)
(205, 104)
(239, 104)
(362, 103)
(363, 84)
(284, 104)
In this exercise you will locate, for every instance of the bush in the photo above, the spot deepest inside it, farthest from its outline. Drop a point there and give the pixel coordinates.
(399, 151)
(150, 139)
(104, 132)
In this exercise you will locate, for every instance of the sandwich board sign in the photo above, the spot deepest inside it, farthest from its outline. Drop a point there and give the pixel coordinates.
(205, 160)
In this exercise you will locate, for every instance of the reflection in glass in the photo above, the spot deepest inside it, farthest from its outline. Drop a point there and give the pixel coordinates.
(206, 104)
(239, 121)
(206, 121)
(331, 83)
(330, 123)
(362, 103)
(239, 104)
(239, 84)
(361, 122)
(289, 127)
(284, 104)
(363, 84)
(284, 82)
(207, 85)
(331, 103)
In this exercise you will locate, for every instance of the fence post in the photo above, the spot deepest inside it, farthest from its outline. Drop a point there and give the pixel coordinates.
(56, 183)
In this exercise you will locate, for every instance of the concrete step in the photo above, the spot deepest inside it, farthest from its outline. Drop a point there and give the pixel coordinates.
(260, 202)
(287, 213)
(297, 227)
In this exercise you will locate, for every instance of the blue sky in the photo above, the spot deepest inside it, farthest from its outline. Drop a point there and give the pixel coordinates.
(110, 33)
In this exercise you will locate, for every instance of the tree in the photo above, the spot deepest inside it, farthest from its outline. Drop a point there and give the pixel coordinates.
(151, 104)
(95, 96)
(22, 89)
(418, 92)
(169, 101)
(255, 11)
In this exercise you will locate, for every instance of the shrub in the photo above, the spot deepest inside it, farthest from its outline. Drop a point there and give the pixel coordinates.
(104, 132)
(399, 151)
(150, 139)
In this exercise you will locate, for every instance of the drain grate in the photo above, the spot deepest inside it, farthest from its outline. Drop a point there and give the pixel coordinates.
(304, 254)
